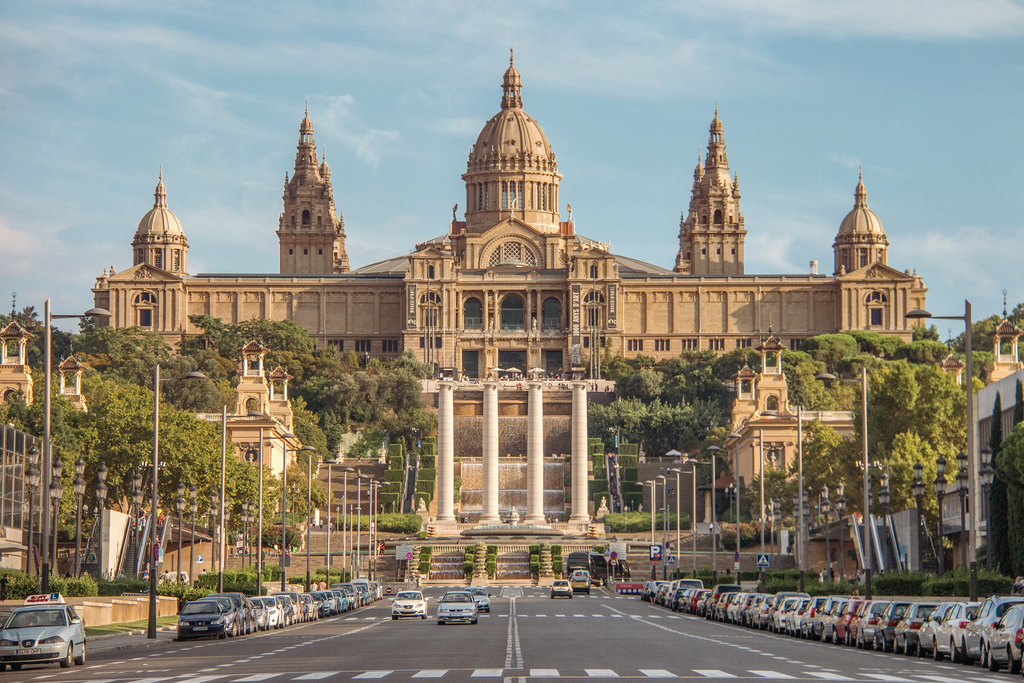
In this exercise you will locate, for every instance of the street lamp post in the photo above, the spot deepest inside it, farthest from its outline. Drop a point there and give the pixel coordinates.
(48, 317)
(179, 506)
(919, 314)
(918, 490)
(214, 515)
(101, 507)
(840, 512)
(79, 488)
(714, 513)
(826, 510)
(345, 525)
(32, 484)
(987, 474)
(137, 494)
(245, 534)
(940, 493)
(777, 526)
(664, 524)
(193, 509)
(962, 481)
(56, 493)
(330, 492)
(869, 560)
(154, 547)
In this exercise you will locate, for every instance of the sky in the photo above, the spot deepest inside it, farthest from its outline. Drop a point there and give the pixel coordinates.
(925, 96)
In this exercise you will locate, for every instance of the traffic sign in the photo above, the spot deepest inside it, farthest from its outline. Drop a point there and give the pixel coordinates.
(408, 556)
(613, 556)
(763, 562)
(671, 559)
(655, 551)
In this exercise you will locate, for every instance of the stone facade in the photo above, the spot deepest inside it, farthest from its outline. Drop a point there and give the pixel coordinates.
(512, 284)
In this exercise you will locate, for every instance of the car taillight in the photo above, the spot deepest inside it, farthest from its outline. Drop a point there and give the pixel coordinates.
(1019, 638)
(813, 610)
(963, 624)
(892, 622)
(873, 621)
(914, 625)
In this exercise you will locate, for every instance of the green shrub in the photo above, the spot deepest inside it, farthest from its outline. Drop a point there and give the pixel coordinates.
(534, 566)
(556, 550)
(337, 575)
(396, 463)
(492, 567)
(297, 580)
(426, 474)
(428, 462)
(121, 585)
(556, 565)
(428, 446)
(467, 567)
(184, 592)
(396, 450)
(397, 523)
(900, 583)
(534, 549)
(394, 476)
(426, 487)
(390, 500)
(492, 550)
(633, 522)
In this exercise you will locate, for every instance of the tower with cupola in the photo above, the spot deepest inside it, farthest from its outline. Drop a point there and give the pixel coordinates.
(711, 233)
(311, 234)
(861, 240)
(159, 239)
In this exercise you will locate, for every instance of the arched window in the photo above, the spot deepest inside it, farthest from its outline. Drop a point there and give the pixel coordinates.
(145, 298)
(430, 272)
(8, 396)
(430, 304)
(551, 315)
(876, 298)
(145, 303)
(305, 217)
(593, 272)
(594, 304)
(252, 405)
(512, 253)
(512, 312)
(473, 314)
(718, 216)
(772, 403)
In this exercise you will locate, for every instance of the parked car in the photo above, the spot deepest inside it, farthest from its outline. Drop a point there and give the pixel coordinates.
(290, 603)
(244, 620)
(885, 634)
(202, 619)
(828, 620)
(841, 627)
(811, 624)
(905, 637)
(273, 609)
(1006, 644)
(927, 633)
(796, 616)
(950, 631)
(974, 642)
(456, 606)
(869, 623)
(781, 614)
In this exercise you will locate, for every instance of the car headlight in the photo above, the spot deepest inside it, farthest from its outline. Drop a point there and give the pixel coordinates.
(8, 643)
(182, 624)
(52, 640)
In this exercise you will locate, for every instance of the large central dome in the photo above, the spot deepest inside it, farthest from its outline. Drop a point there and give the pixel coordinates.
(511, 168)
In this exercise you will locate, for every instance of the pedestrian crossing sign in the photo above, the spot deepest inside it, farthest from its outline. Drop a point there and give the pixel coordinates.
(763, 562)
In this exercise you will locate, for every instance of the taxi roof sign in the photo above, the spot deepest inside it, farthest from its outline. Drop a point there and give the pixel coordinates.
(45, 598)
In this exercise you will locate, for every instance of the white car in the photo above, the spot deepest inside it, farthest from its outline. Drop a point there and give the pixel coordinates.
(274, 612)
(408, 604)
(45, 629)
(482, 597)
(457, 606)
(951, 631)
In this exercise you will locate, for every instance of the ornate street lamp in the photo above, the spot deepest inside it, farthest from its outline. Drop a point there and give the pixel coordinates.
(137, 494)
(987, 473)
(962, 477)
(215, 508)
(826, 509)
(179, 506)
(32, 476)
(917, 488)
(940, 492)
(840, 511)
(101, 508)
(56, 489)
(79, 488)
(193, 508)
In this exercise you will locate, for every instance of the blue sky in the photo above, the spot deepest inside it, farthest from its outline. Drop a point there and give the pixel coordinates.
(925, 95)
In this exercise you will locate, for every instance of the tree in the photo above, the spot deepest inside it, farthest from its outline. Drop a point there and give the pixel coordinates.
(1011, 466)
(998, 510)
(644, 385)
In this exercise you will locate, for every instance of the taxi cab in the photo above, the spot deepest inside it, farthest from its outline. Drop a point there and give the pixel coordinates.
(580, 581)
(44, 629)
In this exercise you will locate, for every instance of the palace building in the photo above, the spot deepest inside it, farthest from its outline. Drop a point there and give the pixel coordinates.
(511, 283)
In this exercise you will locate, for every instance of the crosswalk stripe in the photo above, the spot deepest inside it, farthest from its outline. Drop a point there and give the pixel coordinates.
(315, 676)
(255, 678)
(657, 673)
(373, 674)
(544, 673)
(828, 676)
(938, 679)
(601, 673)
(713, 673)
(430, 673)
(487, 673)
(770, 674)
(885, 677)
(196, 679)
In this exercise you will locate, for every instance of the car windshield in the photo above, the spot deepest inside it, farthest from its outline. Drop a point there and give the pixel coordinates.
(478, 591)
(457, 597)
(208, 607)
(37, 617)
(409, 595)
(1001, 609)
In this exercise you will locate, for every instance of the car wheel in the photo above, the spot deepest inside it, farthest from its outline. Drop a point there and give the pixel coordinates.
(395, 618)
(15, 667)
(222, 636)
(965, 657)
(954, 652)
(936, 655)
(920, 650)
(989, 660)
(69, 658)
(80, 659)
(423, 616)
(440, 622)
(473, 622)
(1012, 665)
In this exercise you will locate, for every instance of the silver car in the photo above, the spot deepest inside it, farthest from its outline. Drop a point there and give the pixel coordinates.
(456, 606)
(974, 643)
(482, 598)
(1006, 648)
(929, 629)
(950, 631)
(44, 630)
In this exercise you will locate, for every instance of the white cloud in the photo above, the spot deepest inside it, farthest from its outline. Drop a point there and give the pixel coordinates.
(338, 118)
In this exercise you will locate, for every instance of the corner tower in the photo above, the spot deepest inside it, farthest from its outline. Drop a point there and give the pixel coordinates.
(711, 235)
(159, 240)
(310, 233)
(511, 169)
(861, 240)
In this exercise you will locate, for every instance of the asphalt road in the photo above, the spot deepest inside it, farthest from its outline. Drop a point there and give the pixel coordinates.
(527, 636)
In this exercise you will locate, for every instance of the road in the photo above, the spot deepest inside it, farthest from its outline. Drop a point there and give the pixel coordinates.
(527, 637)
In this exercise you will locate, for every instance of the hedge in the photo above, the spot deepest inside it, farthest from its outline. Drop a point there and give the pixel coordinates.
(396, 463)
(390, 500)
(632, 522)
(428, 462)
(21, 585)
(396, 450)
(426, 474)
(428, 445)
(394, 476)
(629, 449)
(426, 487)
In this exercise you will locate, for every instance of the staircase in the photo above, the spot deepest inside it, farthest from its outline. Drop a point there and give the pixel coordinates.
(513, 567)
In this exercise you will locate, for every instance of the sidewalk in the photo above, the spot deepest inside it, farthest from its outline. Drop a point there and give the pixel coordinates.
(131, 640)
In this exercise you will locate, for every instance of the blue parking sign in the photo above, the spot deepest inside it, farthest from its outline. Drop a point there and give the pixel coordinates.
(655, 552)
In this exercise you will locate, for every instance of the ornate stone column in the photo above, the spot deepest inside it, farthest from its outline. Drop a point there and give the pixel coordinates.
(490, 452)
(445, 452)
(535, 454)
(579, 453)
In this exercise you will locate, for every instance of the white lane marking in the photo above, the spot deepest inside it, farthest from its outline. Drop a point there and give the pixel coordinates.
(487, 673)
(255, 678)
(828, 676)
(430, 673)
(713, 673)
(373, 674)
(579, 616)
(770, 674)
(315, 676)
(657, 673)
(544, 673)
(885, 677)
(196, 679)
(601, 673)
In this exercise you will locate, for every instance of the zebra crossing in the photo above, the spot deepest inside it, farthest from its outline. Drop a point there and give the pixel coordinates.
(814, 675)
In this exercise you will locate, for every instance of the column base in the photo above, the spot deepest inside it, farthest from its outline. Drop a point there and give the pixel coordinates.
(490, 520)
(535, 520)
(578, 519)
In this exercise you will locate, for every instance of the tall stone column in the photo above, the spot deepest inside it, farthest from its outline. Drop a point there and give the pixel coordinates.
(535, 455)
(490, 451)
(579, 453)
(445, 452)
